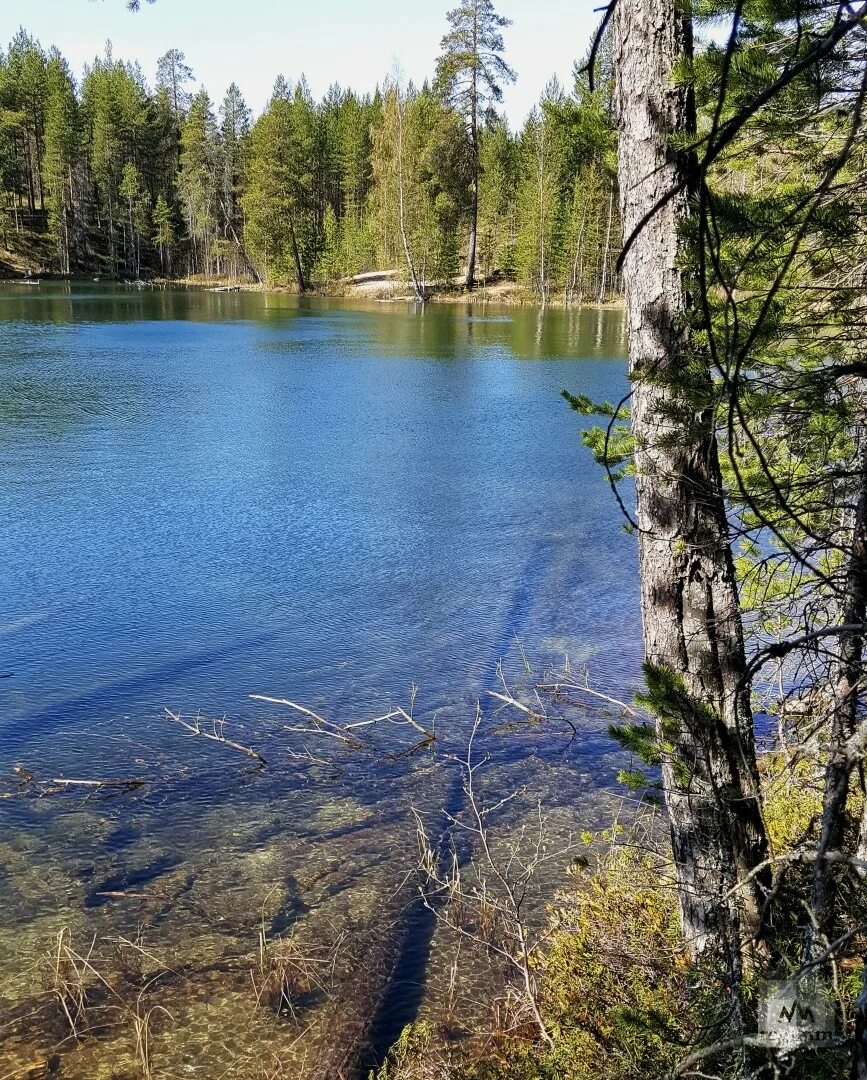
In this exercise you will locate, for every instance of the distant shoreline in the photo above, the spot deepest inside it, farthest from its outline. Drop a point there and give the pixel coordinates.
(501, 293)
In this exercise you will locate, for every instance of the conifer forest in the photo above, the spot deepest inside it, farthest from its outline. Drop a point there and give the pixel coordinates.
(443, 658)
(129, 173)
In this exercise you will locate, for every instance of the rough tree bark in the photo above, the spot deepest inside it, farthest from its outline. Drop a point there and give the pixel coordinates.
(470, 279)
(859, 1051)
(845, 687)
(691, 615)
(296, 257)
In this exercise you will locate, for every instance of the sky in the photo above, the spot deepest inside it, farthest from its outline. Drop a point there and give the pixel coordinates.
(347, 41)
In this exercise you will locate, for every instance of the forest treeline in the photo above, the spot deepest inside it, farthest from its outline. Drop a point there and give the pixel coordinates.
(112, 174)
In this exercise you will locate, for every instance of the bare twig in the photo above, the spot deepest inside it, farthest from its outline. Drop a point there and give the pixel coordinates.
(214, 735)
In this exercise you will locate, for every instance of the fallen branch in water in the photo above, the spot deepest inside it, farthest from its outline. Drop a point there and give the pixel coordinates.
(537, 715)
(346, 734)
(124, 783)
(320, 724)
(563, 687)
(214, 735)
(61, 783)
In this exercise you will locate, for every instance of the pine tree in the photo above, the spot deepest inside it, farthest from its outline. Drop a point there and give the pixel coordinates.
(281, 224)
(163, 233)
(116, 113)
(498, 181)
(199, 181)
(173, 76)
(540, 206)
(61, 152)
(470, 74)
(234, 139)
(25, 88)
(694, 642)
(131, 192)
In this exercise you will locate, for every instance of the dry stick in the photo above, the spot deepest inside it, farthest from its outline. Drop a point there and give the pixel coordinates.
(323, 726)
(96, 783)
(64, 782)
(215, 736)
(335, 731)
(536, 717)
(761, 1041)
(517, 704)
(389, 718)
(558, 686)
(514, 889)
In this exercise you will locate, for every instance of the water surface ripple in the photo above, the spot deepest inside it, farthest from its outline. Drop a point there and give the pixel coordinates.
(208, 496)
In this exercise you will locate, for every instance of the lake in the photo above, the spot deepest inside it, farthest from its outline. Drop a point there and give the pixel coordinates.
(210, 496)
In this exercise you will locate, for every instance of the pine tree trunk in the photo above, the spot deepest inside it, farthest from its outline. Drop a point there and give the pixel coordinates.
(859, 1047)
(474, 217)
(296, 255)
(845, 685)
(474, 183)
(606, 251)
(691, 615)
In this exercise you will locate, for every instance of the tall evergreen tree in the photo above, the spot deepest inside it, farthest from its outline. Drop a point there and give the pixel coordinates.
(470, 74)
(234, 140)
(693, 633)
(199, 181)
(173, 76)
(61, 152)
(163, 232)
(498, 181)
(24, 90)
(278, 203)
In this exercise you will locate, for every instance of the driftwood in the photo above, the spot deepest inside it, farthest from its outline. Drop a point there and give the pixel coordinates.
(55, 783)
(346, 734)
(214, 735)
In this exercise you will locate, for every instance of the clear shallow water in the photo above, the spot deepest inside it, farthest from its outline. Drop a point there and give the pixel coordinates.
(207, 496)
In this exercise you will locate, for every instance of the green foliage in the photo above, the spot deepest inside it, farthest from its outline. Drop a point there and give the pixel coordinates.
(498, 181)
(198, 180)
(164, 232)
(281, 222)
(61, 136)
(471, 69)
(585, 406)
(613, 446)
(434, 176)
(639, 739)
(402, 1061)
(668, 698)
(309, 191)
(617, 991)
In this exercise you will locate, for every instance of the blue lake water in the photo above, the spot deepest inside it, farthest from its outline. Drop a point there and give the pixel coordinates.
(210, 496)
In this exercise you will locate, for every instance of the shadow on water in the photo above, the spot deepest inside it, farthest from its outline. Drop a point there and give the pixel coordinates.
(44, 721)
(404, 994)
(330, 500)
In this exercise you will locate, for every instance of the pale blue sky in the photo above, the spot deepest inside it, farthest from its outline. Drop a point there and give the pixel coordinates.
(347, 41)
